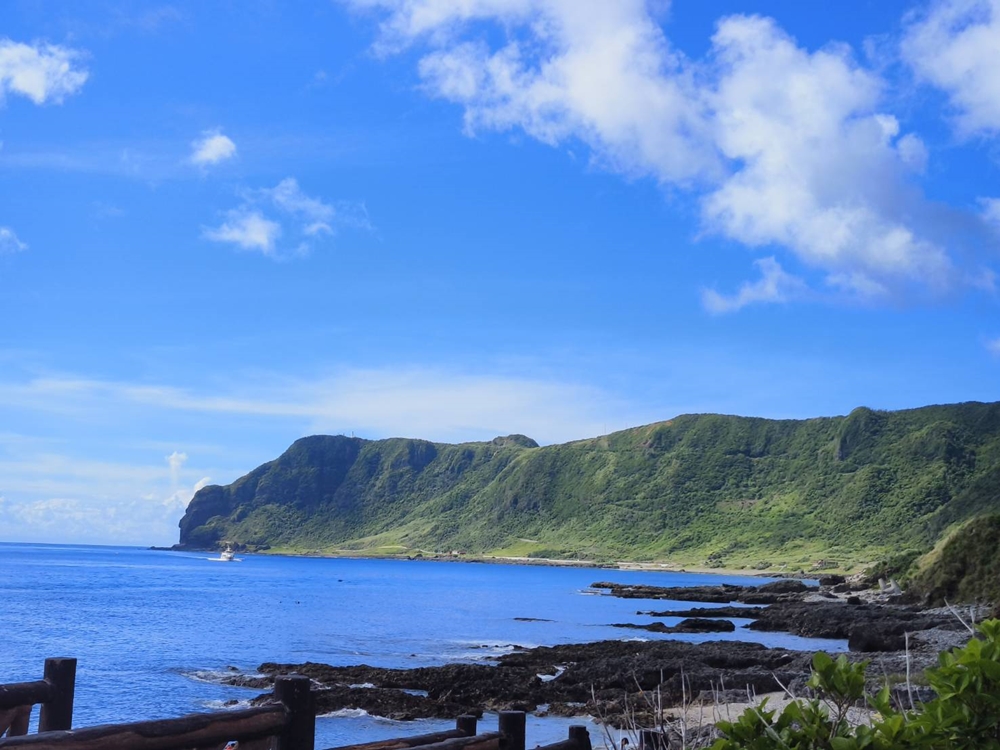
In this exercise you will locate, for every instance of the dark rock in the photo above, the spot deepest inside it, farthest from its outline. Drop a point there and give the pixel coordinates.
(769, 593)
(788, 586)
(866, 641)
(716, 594)
(906, 699)
(690, 625)
(744, 612)
(838, 620)
(831, 580)
(703, 625)
(390, 704)
(854, 600)
(602, 678)
(247, 681)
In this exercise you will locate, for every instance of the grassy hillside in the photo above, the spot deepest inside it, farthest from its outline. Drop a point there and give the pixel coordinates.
(965, 565)
(726, 490)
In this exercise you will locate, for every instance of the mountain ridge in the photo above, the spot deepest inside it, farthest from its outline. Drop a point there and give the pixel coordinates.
(717, 489)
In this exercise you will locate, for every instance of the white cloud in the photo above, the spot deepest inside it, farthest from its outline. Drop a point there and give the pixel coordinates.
(954, 46)
(418, 402)
(595, 71)
(175, 461)
(912, 152)
(991, 211)
(59, 497)
(212, 148)
(177, 501)
(787, 147)
(774, 285)
(817, 166)
(9, 243)
(993, 346)
(51, 497)
(288, 196)
(41, 72)
(293, 213)
(248, 229)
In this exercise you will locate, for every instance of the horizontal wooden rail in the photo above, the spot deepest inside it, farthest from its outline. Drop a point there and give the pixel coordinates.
(561, 745)
(465, 726)
(403, 743)
(485, 741)
(579, 739)
(24, 694)
(194, 730)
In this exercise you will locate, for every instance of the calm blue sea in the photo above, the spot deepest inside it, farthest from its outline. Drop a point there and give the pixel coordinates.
(152, 629)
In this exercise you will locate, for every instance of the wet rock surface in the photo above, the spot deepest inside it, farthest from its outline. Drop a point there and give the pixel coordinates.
(607, 678)
(391, 704)
(703, 625)
(867, 626)
(858, 623)
(622, 681)
(769, 593)
(690, 625)
(743, 612)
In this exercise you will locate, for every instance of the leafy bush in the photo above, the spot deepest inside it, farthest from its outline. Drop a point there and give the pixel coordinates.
(965, 715)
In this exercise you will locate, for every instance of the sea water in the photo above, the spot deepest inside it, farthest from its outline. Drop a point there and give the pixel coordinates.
(153, 631)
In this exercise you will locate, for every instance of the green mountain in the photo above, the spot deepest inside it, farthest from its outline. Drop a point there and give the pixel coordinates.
(722, 489)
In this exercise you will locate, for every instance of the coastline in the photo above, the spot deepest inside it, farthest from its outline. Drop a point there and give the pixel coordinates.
(622, 565)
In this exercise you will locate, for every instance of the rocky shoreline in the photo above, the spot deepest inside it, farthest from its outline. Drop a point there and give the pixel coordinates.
(615, 680)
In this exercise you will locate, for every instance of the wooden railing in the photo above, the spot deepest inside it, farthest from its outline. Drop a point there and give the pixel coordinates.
(54, 692)
(291, 722)
(465, 730)
(287, 724)
(510, 735)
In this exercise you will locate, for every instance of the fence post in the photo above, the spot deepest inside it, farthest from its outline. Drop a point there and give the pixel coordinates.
(579, 734)
(511, 730)
(57, 712)
(294, 693)
(466, 724)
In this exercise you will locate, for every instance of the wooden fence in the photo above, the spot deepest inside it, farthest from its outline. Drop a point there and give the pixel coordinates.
(287, 724)
(54, 692)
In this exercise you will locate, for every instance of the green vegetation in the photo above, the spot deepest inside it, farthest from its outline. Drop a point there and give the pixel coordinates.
(828, 492)
(965, 566)
(965, 715)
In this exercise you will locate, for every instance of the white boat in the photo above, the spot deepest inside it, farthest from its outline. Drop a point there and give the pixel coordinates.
(227, 555)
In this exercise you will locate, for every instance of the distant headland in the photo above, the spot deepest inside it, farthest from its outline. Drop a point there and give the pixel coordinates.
(704, 490)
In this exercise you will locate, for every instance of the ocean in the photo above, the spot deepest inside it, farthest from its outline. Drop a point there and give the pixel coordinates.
(154, 630)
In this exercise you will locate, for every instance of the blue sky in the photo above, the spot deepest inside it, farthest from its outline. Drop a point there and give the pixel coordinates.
(227, 225)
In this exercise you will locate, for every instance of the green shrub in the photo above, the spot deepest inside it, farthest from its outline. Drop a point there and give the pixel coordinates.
(965, 715)
(964, 568)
